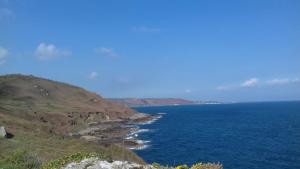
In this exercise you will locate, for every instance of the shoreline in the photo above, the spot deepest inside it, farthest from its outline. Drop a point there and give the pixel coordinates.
(123, 133)
(165, 105)
(135, 130)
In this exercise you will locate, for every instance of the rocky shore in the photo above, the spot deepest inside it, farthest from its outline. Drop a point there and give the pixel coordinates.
(121, 132)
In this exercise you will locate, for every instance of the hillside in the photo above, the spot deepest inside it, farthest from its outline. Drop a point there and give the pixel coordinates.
(53, 125)
(43, 95)
(43, 114)
(132, 102)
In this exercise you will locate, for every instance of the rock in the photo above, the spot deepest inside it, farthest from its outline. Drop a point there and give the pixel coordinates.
(96, 163)
(3, 133)
(87, 131)
(90, 138)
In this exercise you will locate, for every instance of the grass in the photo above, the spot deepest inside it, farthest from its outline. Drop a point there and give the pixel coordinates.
(195, 166)
(20, 160)
(207, 166)
(23, 159)
(53, 147)
(77, 157)
(55, 150)
(19, 101)
(34, 137)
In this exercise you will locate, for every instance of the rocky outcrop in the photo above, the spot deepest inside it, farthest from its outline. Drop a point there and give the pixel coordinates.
(96, 163)
(3, 133)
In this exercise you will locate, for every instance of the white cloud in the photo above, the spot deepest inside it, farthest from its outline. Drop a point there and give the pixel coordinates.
(277, 81)
(250, 83)
(5, 13)
(93, 75)
(3, 55)
(48, 51)
(145, 29)
(254, 82)
(106, 51)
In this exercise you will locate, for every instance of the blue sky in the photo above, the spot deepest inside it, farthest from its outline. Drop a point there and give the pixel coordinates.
(203, 49)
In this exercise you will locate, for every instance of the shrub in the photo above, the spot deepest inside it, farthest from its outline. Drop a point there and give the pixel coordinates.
(182, 167)
(20, 160)
(156, 165)
(25, 160)
(207, 166)
(77, 157)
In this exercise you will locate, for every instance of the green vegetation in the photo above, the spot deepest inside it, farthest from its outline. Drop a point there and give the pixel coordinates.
(182, 167)
(77, 157)
(37, 111)
(24, 160)
(20, 160)
(195, 166)
(207, 166)
(50, 147)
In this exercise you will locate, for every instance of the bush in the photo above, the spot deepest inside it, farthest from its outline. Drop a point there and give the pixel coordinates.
(195, 166)
(182, 167)
(207, 166)
(25, 160)
(20, 160)
(158, 166)
(77, 157)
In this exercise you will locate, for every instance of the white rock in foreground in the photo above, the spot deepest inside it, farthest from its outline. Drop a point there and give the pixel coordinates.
(3, 133)
(96, 163)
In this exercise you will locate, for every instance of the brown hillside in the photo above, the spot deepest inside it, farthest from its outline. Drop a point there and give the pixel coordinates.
(62, 106)
(41, 114)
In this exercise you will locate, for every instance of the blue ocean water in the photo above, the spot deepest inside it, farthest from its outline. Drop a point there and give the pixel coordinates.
(240, 136)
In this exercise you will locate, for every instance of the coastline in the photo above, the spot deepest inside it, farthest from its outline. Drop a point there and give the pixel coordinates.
(136, 129)
(163, 105)
(123, 132)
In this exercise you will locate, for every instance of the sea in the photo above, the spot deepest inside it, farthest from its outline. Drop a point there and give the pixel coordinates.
(264, 135)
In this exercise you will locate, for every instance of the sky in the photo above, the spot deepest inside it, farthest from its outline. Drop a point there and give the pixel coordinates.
(233, 50)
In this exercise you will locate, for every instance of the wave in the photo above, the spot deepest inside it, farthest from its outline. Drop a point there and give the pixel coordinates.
(136, 130)
(135, 133)
(141, 131)
(142, 145)
(161, 113)
(129, 138)
(155, 118)
(143, 141)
